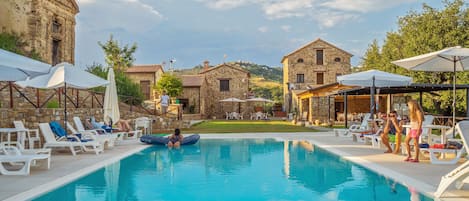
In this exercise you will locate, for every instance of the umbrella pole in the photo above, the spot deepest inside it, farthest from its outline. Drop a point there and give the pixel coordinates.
(372, 94)
(65, 104)
(454, 95)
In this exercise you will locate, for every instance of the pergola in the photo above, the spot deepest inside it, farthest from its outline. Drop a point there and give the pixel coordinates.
(413, 88)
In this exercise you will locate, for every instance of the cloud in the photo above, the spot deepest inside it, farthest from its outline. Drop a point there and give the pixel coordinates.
(263, 29)
(132, 16)
(286, 28)
(327, 18)
(363, 6)
(287, 8)
(223, 4)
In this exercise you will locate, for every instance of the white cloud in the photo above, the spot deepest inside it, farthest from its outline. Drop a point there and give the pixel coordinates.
(287, 8)
(286, 28)
(328, 18)
(363, 6)
(263, 29)
(223, 4)
(133, 16)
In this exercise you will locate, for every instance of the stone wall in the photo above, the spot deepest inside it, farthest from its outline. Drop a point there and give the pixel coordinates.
(33, 20)
(303, 61)
(239, 87)
(153, 77)
(192, 94)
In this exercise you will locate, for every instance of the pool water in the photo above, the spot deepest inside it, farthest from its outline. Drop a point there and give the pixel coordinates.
(234, 169)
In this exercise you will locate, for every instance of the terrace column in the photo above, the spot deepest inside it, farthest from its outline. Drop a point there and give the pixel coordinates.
(345, 109)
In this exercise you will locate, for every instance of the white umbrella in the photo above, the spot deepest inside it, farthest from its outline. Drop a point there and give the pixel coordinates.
(259, 99)
(232, 100)
(373, 79)
(15, 67)
(111, 103)
(64, 75)
(451, 59)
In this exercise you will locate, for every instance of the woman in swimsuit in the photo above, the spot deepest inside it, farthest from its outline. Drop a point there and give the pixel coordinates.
(416, 119)
(175, 139)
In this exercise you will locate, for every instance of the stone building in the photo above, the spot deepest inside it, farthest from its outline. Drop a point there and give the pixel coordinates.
(146, 76)
(315, 64)
(47, 26)
(204, 91)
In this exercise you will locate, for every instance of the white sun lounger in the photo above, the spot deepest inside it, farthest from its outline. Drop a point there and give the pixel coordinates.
(11, 157)
(347, 132)
(51, 142)
(460, 175)
(108, 141)
(98, 132)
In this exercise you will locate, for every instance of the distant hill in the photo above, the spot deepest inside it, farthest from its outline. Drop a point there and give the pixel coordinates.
(274, 74)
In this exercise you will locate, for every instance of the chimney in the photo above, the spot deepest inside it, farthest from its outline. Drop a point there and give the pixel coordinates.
(206, 66)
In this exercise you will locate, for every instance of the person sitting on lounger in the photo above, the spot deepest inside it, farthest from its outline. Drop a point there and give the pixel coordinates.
(175, 139)
(394, 127)
(123, 125)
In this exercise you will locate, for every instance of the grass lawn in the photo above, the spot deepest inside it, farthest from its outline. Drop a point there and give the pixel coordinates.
(219, 126)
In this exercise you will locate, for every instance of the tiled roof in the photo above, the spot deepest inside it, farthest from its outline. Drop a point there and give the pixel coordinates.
(144, 68)
(191, 80)
(230, 66)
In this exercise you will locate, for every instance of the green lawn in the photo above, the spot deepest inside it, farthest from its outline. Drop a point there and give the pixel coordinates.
(219, 126)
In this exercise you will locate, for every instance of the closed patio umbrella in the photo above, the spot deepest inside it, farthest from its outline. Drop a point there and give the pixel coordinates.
(452, 59)
(111, 102)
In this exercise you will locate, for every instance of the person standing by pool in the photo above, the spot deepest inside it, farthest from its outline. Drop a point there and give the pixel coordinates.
(416, 119)
(164, 103)
(175, 139)
(394, 127)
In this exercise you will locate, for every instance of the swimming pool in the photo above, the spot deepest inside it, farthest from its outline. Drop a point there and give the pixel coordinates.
(234, 169)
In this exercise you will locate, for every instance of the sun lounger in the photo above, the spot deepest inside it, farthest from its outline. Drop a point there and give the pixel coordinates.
(98, 132)
(13, 161)
(355, 128)
(108, 141)
(74, 146)
(460, 175)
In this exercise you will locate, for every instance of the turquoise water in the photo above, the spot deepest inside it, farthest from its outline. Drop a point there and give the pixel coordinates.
(234, 170)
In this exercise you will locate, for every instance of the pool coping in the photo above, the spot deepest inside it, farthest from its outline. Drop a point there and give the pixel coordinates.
(420, 186)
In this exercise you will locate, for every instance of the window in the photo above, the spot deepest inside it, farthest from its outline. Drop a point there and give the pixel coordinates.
(319, 57)
(224, 85)
(56, 26)
(337, 59)
(319, 78)
(300, 60)
(300, 78)
(55, 51)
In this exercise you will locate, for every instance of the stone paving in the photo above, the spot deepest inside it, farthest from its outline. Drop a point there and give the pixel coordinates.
(423, 176)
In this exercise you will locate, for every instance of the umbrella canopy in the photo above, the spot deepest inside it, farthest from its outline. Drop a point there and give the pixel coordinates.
(15, 67)
(372, 79)
(233, 100)
(111, 103)
(450, 59)
(64, 75)
(375, 78)
(259, 99)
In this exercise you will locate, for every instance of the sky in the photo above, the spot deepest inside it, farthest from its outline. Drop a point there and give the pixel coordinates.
(260, 31)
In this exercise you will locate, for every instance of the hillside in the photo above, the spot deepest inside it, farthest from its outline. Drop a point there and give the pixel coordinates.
(268, 73)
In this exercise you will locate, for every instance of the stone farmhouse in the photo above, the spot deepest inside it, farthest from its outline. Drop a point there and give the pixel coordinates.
(202, 93)
(47, 26)
(313, 65)
(146, 76)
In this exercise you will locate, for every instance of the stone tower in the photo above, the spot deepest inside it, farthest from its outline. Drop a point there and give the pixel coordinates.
(47, 26)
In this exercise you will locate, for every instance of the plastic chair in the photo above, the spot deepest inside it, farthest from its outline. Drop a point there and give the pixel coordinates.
(32, 135)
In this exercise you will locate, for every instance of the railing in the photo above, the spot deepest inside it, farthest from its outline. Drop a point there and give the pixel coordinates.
(77, 98)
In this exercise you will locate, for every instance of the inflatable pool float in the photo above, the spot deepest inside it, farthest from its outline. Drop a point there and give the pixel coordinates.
(159, 140)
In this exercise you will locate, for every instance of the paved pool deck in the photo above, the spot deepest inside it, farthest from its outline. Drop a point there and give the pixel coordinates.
(423, 176)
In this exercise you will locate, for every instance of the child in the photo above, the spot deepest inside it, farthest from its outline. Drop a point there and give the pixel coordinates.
(175, 139)
(416, 119)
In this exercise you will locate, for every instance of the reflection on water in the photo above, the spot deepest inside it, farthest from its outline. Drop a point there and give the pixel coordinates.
(233, 170)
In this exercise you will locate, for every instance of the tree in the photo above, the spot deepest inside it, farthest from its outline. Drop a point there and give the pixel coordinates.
(420, 33)
(116, 57)
(128, 91)
(169, 83)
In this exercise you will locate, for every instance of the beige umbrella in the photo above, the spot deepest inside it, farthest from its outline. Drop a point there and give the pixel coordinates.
(111, 103)
(232, 100)
(452, 59)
